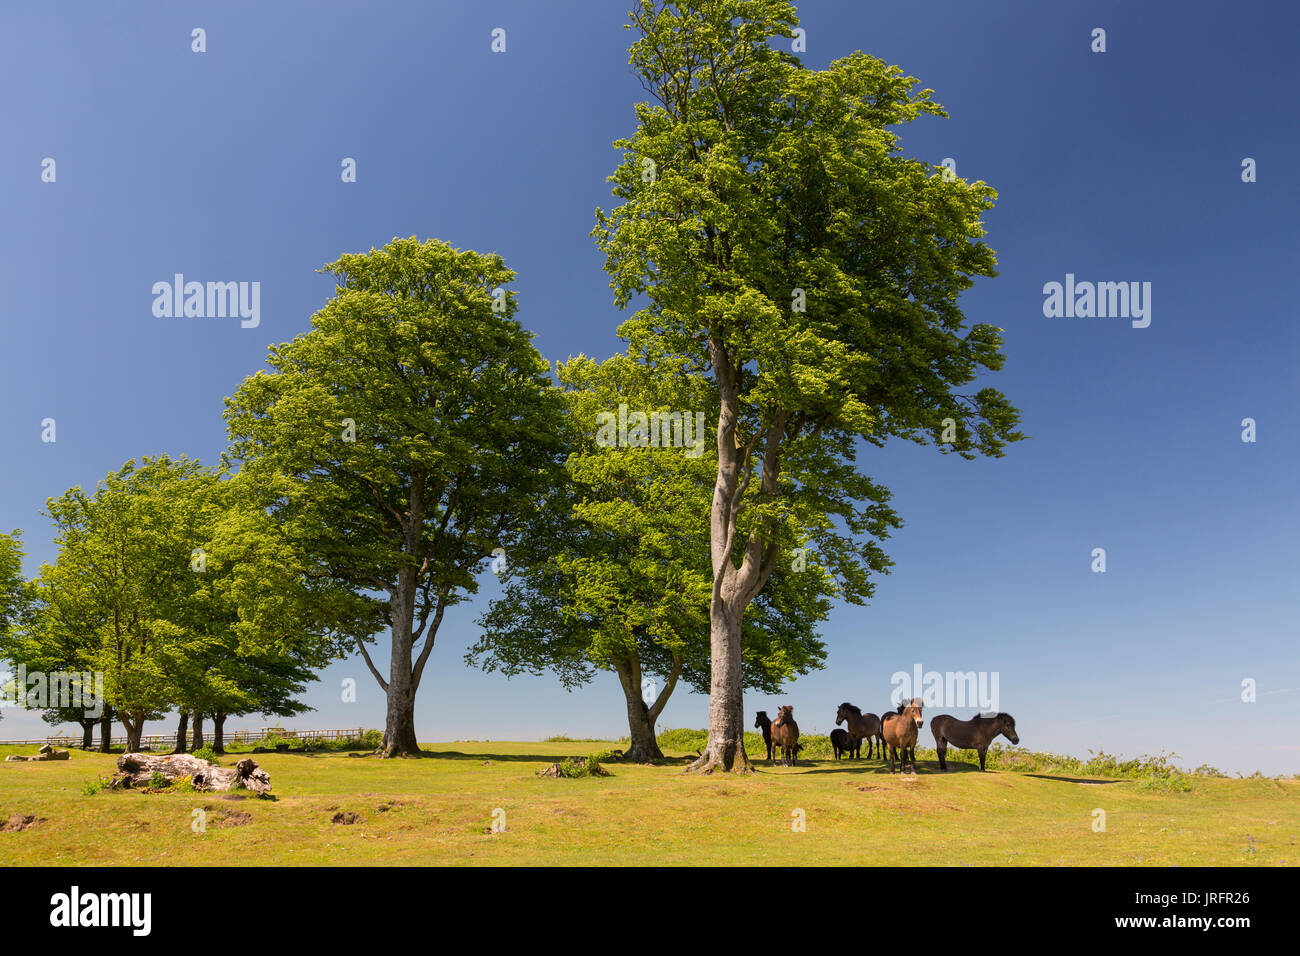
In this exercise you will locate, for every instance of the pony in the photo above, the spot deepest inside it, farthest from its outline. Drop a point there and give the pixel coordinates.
(899, 731)
(785, 734)
(764, 723)
(860, 725)
(975, 734)
(843, 741)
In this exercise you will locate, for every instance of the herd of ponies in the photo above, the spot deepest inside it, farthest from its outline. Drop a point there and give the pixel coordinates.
(897, 730)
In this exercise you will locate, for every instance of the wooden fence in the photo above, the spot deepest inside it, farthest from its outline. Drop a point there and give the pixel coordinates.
(157, 741)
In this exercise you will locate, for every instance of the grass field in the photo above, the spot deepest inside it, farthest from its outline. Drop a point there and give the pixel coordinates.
(440, 810)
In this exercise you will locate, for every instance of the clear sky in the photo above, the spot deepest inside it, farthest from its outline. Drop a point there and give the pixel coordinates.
(1122, 166)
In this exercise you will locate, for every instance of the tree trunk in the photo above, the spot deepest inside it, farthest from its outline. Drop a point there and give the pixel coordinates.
(399, 728)
(183, 732)
(106, 729)
(134, 728)
(643, 747)
(137, 770)
(198, 731)
(725, 749)
(88, 733)
(219, 732)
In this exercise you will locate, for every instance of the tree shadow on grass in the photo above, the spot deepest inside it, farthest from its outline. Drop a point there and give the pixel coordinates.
(1046, 776)
(497, 758)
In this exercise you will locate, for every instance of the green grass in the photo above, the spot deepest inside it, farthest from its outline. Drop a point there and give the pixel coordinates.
(441, 811)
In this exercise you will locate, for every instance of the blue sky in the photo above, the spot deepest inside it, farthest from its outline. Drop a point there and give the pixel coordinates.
(1115, 166)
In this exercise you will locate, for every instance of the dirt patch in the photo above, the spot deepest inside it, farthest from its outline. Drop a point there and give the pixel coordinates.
(21, 821)
(233, 818)
(346, 817)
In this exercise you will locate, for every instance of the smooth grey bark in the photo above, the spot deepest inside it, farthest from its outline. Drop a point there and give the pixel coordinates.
(733, 587)
(641, 718)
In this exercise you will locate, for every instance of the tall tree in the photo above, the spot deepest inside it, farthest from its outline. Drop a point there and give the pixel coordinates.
(15, 597)
(122, 577)
(789, 251)
(618, 578)
(404, 439)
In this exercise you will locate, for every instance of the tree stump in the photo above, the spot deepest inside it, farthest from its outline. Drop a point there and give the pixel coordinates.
(137, 769)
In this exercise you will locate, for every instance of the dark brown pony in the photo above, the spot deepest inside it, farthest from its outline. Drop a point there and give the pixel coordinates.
(900, 730)
(764, 723)
(974, 734)
(844, 742)
(785, 735)
(860, 725)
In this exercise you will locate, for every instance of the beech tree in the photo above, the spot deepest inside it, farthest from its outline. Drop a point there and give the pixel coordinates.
(617, 576)
(121, 578)
(15, 596)
(402, 441)
(786, 250)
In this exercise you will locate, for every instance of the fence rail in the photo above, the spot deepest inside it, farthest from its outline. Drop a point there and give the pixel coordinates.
(168, 740)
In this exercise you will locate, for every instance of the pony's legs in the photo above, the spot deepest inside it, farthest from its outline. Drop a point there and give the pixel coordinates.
(942, 750)
(983, 751)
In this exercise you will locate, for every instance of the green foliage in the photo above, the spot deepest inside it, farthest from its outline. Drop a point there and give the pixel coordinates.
(158, 780)
(619, 578)
(683, 739)
(402, 440)
(367, 740)
(207, 753)
(94, 786)
(576, 767)
(800, 269)
(1165, 783)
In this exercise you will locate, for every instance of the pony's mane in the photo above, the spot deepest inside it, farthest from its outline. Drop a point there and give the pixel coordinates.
(849, 707)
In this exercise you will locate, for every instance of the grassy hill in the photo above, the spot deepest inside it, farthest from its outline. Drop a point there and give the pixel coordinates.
(440, 811)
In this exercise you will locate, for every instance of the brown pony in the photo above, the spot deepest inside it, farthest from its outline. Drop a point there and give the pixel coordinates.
(860, 725)
(976, 733)
(764, 723)
(899, 731)
(880, 740)
(785, 734)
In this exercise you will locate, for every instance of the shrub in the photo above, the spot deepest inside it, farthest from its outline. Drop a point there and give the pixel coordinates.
(206, 753)
(1164, 783)
(92, 787)
(683, 739)
(158, 780)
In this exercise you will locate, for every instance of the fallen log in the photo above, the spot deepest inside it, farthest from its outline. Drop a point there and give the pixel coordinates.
(45, 753)
(137, 770)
